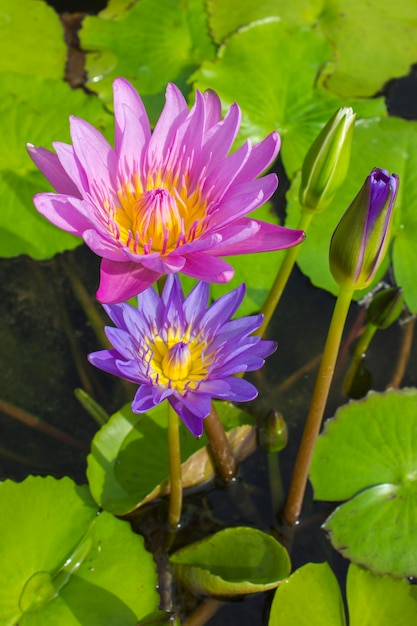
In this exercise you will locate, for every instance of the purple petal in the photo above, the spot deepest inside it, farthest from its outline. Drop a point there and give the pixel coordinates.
(143, 400)
(196, 302)
(52, 169)
(121, 281)
(123, 342)
(222, 309)
(105, 360)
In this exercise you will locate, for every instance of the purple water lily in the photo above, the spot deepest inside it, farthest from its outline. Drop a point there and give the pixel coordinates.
(175, 347)
(163, 202)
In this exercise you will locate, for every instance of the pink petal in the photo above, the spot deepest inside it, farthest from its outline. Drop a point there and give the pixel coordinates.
(206, 267)
(66, 212)
(213, 109)
(103, 245)
(220, 138)
(261, 157)
(164, 265)
(72, 166)
(121, 281)
(173, 114)
(269, 237)
(52, 169)
(94, 153)
(132, 129)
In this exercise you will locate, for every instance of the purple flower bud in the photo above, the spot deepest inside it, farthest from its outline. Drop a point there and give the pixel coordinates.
(360, 241)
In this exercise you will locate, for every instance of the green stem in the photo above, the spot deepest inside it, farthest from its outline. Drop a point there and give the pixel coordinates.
(360, 350)
(175, 479)
(299, 478)
(281, 279)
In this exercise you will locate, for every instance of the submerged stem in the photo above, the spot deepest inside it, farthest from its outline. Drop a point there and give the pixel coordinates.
(219, 445)
(175, 497)
(299, 478)
(282, 277)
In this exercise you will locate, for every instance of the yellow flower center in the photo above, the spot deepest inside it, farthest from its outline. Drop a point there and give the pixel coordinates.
(178, 361)
(159, 215)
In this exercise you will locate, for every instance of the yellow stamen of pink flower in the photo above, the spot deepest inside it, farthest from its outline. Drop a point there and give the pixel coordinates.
(159, 215)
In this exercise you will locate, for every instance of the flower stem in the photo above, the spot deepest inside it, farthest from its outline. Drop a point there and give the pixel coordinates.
(358, 354)
(283, 274)
(299, 478)
(219, 445)
(175, 498)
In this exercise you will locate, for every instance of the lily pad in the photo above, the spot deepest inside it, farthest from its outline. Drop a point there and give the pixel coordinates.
(283, 96)
(64, 564)
(148, 43)
(355, 28)
(368, 453)
(389, 143)
(234, 561)
(311, 597)
(36, 111)
(32, 39)
(129, 464)
(226, 16)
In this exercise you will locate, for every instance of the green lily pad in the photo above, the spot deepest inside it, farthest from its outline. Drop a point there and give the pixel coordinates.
(225, 16)
(36, 111)
(389, 143)
(129, 464)
(32, 39)
(311, 597)
(149, 43)
(283, 96)
(64, 564)
(234, 561)
(355, 28)
(368, 453)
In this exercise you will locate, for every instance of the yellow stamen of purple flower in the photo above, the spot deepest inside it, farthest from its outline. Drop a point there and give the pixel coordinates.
(159, 215)
(178, 361)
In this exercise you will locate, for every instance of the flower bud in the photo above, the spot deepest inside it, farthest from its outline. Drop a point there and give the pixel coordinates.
(385, 308)
(273, 434)
(326, 164)
(361, 238)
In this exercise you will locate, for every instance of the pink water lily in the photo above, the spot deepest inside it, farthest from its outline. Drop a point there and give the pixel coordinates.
(169, 201)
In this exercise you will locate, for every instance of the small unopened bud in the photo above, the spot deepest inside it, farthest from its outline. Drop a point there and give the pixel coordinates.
(361, 238)
(326, 163)
(385, 308)
(273, 434)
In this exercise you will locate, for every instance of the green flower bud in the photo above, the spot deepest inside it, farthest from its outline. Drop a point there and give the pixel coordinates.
(385, 308)
(360, 241)
(326, 164)
(273, 434)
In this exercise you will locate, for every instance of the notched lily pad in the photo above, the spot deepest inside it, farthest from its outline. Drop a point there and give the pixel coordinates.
(64, 564)
(311, 597)
(368, 453)
(232, 562)
(129, 463)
